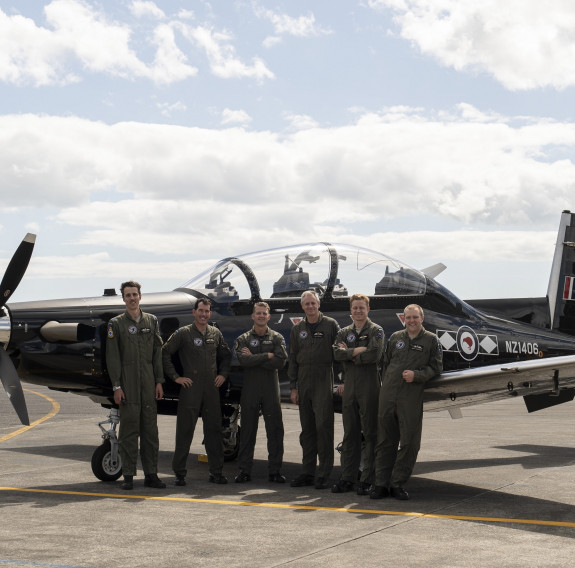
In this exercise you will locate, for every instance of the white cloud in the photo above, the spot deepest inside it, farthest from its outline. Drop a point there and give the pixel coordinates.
(186, 15)
(462, 166)
(271, 41)
(524, 44)
(40, 56)
(32, 227)
(169, 228)
(300, 121)
(29, 54)
(222, 56)
(141, 8)
(170, 63)
(95, 265)
(168, 109)
(302, 26)
(235, 117)
(80, 39)
(100, 45)
(462, 245)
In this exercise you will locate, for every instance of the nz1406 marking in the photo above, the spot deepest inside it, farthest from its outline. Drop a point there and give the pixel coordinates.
(525, 347)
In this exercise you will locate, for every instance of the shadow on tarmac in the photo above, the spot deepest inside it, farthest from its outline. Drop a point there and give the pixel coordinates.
(428, 496)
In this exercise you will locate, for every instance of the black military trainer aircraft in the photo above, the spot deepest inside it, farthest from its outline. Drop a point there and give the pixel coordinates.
(493, 349)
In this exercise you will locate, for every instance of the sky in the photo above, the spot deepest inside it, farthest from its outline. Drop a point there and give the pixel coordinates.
(146, 140)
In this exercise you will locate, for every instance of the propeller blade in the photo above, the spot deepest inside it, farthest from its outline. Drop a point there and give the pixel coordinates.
(16, 268)
(12, 386)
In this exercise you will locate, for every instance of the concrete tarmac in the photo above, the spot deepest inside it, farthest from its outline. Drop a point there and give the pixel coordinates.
(496, 488)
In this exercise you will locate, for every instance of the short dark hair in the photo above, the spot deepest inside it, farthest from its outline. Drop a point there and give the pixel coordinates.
(131, 284)
(206, 301)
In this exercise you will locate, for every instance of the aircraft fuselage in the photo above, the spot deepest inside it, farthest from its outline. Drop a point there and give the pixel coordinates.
(69, 354)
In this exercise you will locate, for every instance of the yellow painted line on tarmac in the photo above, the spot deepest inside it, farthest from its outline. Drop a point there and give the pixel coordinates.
(295, 506)
(53, 412)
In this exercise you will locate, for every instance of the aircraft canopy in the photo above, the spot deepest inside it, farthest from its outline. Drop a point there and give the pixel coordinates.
(332, 270)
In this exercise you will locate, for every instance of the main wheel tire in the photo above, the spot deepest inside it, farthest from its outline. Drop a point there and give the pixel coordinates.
(231, 452)
(102, 466)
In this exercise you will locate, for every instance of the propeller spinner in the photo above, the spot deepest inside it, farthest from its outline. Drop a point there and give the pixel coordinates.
(12, 277)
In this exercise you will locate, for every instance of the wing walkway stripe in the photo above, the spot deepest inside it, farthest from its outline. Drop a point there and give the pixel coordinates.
(300, 507)
(53, 412)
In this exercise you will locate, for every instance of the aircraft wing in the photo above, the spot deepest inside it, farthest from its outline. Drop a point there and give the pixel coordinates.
(543, 382)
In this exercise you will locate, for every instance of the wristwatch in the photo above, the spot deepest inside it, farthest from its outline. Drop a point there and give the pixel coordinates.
(117, 388)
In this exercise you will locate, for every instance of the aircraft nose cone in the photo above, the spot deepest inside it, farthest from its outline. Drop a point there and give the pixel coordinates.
(5, 326)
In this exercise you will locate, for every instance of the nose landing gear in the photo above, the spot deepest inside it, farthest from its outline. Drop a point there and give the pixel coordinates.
(106, 461)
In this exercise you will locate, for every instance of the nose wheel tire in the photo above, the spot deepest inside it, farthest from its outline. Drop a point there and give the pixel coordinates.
(102, 465)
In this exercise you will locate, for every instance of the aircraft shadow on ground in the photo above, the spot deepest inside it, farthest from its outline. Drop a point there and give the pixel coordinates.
(538, 457)
(428, 496)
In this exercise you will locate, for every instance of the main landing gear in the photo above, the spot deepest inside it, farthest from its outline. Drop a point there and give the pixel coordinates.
(106, 461)
(230, 430)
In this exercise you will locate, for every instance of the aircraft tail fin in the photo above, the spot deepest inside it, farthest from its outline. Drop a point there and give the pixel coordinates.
(561, 290)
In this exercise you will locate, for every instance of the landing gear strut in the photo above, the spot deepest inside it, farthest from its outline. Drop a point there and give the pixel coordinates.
(231, 431)
(106, 461)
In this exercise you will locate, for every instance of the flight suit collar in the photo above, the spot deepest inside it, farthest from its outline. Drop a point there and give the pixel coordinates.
(317, 322)
(196, 329)
(256, 334)
(418, 336)
(132, 319)
(366, 325)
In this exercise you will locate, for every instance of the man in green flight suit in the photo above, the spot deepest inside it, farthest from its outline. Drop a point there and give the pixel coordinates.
(134, 362)
(310, 372)
(261, 352)
(359, 347)
(206, 360)
(412, 357)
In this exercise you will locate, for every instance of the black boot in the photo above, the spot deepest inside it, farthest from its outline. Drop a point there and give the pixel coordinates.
(128, 482)
(152, 480)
